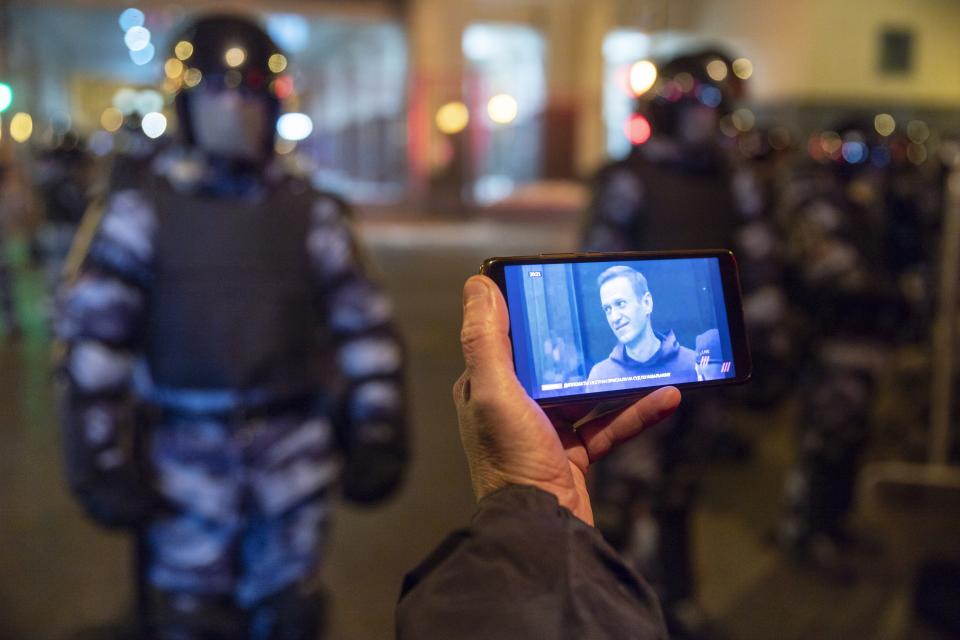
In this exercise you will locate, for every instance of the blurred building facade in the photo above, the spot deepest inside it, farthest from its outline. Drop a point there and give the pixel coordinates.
(467, 102)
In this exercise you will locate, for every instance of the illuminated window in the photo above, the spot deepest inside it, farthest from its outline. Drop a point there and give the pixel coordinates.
(621, 49)
(505, 89)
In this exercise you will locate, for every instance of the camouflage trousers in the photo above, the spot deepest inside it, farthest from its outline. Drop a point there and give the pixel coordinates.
(248, 504)
(837, 397)
(643, 495)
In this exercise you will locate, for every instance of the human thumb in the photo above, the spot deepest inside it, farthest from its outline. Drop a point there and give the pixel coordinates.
(484, 335)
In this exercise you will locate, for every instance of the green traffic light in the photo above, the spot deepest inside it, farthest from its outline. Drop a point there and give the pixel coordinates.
(6, 96)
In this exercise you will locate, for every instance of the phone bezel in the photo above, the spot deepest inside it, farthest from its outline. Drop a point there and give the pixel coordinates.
(493, 268)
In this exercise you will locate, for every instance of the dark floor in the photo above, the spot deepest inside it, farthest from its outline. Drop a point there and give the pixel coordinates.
(59, 576)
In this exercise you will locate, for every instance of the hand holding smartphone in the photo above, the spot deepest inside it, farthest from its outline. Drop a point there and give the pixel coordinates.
(604, 326)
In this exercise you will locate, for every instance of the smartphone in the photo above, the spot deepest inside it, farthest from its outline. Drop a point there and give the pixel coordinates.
(598, 326)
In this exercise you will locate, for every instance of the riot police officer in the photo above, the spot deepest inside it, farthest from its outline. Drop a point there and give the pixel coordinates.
(64, 178)
(845, 288)
(673, 191)
(224, 319)
(761, 157)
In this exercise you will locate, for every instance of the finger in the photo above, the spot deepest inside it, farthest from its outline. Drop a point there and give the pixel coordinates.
(600, 437)
(484, 335)
(565, 415)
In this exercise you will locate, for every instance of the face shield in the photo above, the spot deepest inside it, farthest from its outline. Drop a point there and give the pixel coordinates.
(231, 124)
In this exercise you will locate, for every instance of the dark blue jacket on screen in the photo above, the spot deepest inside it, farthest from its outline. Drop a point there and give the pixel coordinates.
(680, 362)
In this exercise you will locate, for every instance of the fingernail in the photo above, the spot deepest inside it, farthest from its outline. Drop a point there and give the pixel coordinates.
(475, 288)
(669, 395)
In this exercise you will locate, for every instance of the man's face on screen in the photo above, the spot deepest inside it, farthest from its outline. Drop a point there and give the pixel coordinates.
(627, 315)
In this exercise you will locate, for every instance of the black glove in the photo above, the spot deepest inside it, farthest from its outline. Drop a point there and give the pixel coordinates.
(372, 473)
(117, 499)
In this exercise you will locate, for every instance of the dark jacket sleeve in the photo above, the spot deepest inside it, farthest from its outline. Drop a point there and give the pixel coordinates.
(618, 215)
(526, 568)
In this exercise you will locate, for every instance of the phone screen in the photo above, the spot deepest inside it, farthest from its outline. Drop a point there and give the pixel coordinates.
(615, 326)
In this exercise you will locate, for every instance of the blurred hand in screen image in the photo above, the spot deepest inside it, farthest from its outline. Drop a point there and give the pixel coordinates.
(507, 437)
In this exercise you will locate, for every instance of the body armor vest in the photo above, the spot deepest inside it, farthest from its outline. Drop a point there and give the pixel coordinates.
(686, 209)
(233, 304)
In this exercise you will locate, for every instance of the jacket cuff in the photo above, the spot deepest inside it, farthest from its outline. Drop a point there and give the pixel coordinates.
(524, 498)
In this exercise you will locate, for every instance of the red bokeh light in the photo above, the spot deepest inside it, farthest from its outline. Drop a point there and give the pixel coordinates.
(621, 78)
(283, 87)
(637, 129)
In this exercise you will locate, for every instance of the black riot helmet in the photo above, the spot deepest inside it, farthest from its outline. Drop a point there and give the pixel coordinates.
(704, 79)
(224, 52)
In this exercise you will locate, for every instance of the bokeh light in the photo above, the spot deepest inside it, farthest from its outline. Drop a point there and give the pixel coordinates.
(6, 96)
(831, 143)
(742, 68)
(289, 30)
(637, 129)
(235, 56)
(685, 81)
(779, 138)
(670, 90)
(918, 131)
(916, 153)
(171, 85)
(283, 147)
(277, 62)
(143, 56)
(148, 100)
(854, 151)
(173, 68)
(131, 18)
(453, 117)
(183, 50)
(192, 77)
(717, 70)
(642, 76)
(111, 119)
(125, 100)
(743, 119)
(710, 96)
(154, 124)
(727, 127)
(137, 38)
(949, 153)
(294, 126)
(503, 108)
(282, 87)
(21, 127)
(884, 124)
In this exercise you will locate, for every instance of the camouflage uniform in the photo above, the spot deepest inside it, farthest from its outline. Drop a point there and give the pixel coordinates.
(844, 289)
(63, 180)
(645, 492)
(672, 192)
(760, 249)
(230, 475)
